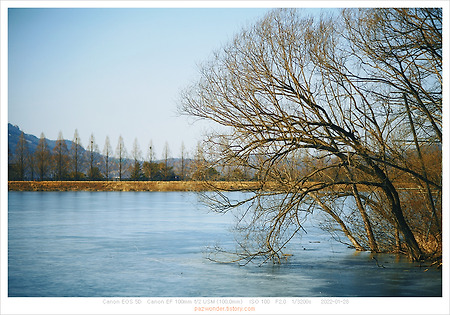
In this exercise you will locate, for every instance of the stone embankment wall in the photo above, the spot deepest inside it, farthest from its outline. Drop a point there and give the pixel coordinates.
(127, 185)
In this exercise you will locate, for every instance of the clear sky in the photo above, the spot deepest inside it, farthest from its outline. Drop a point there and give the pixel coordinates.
(113, 72)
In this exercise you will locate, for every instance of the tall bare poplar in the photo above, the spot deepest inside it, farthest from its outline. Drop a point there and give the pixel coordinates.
(136, 153)
(107, 150)
(76, 153)
(149, 167)
(21, 157)
(151, 152)
(121, 155)
(92, 152)
(60, 158)
(42, 157)
(183, 162)
(166, 156)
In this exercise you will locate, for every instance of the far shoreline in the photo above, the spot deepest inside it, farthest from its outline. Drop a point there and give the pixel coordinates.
(127, 185)
(130, 185)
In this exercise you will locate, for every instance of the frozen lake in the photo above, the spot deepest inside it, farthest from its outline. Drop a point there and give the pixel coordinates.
(153, 244)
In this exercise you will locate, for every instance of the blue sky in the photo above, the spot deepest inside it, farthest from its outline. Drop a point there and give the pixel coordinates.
(112, 72)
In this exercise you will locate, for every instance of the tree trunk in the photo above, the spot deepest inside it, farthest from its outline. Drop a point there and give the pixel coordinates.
(367, 225)
(414, 251)
(339, 221)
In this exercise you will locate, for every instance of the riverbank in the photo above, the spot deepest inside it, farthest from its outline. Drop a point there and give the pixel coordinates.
(155, 186)
(126, 185)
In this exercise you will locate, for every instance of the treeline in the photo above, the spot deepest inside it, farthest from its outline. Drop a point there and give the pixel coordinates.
(69, 160)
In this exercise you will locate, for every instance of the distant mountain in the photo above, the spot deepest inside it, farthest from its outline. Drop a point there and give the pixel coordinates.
(159, 170)
(14, 135)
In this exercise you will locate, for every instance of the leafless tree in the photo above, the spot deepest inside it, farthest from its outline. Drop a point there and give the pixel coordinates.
(166, 156)
(92, 151)
(107, 150)
(121, 155)
(151, 152)
(76, 152)
(21, 157)
(60, 158)
(183, 162)
(136, 153)
(149, 166)
(203, 167)
(42, 159)
(318, 109)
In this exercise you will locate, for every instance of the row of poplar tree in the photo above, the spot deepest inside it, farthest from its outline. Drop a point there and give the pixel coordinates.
(71, 161)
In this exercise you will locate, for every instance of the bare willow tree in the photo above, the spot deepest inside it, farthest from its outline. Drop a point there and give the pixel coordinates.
(404, 55)
(330, 114)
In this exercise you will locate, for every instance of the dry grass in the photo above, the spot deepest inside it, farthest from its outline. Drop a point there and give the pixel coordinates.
(127, 185)
(152, 186)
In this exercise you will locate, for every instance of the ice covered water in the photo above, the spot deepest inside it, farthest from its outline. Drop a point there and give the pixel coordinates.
(108, 244)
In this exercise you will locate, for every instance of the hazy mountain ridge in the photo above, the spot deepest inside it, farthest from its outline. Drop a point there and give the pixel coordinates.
(14, 133)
